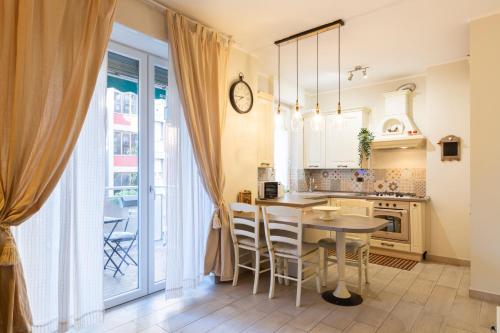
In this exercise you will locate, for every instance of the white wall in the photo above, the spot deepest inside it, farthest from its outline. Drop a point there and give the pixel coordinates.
(239, 139)
(448, 111)
(485, 156)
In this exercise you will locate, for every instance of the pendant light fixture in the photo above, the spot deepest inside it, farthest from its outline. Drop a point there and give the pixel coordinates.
(317, 74)
(279, 80)
(280, 121)
(297, 117)
(317, 115)
(339, 108)
(297, 107)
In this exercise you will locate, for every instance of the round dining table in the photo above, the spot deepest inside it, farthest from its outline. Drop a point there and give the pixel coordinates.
(341, 224)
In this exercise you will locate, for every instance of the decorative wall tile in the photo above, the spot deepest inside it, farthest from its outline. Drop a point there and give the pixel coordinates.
(408, 180)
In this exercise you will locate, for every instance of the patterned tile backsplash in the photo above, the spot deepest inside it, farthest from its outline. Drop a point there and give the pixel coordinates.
(380, 180)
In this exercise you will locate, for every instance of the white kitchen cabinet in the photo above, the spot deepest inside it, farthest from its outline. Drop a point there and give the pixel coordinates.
(417, 230)
(314, 143)
(333, 143)
(265, 140)
(341, 147)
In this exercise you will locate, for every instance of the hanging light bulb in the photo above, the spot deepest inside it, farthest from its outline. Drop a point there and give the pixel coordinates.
(365, 74)
(317, 115)
(279, 121)
(297, 117)
(339, 119)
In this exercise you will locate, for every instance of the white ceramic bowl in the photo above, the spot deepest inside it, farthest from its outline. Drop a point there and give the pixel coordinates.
(327, 212)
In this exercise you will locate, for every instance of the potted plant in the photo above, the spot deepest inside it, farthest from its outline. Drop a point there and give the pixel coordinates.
(365, 139)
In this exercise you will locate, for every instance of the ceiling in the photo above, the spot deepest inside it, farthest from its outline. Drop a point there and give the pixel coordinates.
(396, 38)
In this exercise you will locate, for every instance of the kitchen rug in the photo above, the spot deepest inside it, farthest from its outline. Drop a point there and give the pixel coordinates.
(383, 260)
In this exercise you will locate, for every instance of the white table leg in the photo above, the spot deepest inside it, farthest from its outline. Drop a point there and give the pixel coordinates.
(341, 290)
(341, 296)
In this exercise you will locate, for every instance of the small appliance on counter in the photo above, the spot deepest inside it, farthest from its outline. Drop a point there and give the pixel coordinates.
(270, 190)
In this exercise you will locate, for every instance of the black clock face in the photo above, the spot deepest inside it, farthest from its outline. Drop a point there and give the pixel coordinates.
(241, 96)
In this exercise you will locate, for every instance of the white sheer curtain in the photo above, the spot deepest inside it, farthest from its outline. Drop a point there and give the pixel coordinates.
(62, 246)
(189, 208)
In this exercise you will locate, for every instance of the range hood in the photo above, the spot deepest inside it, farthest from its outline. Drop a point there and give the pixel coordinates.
(397, 129)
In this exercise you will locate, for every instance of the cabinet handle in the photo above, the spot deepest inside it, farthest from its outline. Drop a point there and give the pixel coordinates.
(267, 164)
(386, 244)
(342, 166)
(313, 166)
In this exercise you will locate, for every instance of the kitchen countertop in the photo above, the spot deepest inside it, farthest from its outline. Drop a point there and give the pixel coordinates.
(355, 195)
(293, 200)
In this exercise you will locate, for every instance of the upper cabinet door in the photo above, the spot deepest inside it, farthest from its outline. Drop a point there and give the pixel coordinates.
(265, 140)
(342, 140)
(314, 143)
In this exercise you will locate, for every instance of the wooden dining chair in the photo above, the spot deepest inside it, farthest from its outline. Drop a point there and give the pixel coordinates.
(244, 221)
(356, 244)
(284, 243)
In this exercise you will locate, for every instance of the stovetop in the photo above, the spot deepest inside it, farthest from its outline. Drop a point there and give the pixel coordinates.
(390, 195)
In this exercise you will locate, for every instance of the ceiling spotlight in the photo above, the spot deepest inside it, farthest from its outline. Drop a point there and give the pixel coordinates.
(363, 69)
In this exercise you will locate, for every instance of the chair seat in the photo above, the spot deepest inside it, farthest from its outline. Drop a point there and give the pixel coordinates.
(292, 250)
(251, 242)
(121, 236)
(351, 244)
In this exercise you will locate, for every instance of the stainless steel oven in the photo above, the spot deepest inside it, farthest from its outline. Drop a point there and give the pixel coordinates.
(396, 214)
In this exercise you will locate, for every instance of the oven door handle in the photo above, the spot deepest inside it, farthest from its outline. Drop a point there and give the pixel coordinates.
(389, 210)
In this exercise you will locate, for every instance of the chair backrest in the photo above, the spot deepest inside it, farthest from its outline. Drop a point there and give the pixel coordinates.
(246, 224)
(357, 207)
(113, 208)
(283, 225)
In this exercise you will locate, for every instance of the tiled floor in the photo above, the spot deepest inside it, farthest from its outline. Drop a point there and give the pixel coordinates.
(431, 298)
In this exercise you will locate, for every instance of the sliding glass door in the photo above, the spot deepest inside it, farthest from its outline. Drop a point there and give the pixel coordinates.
(134, 199)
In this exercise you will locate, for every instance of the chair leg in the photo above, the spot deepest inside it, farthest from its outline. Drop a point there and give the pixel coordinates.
(318, 274)
(236, 265)
(280, 269)
(325, 266)
(272, 264)
(256, 273)
(367, 261)
(285, 269)
(299, 282)
(360, 271)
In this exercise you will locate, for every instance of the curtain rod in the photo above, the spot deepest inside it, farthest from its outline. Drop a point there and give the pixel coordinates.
(310, 32)
(162, 7)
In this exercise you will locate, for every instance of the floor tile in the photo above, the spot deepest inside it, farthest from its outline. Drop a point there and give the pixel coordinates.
(441, 300)
(322, 328)
(360, 328)
(419, 291)
(402, 318)
(451, 276)
(341, 317)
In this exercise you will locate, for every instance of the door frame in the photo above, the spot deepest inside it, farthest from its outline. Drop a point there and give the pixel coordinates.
(152, 62)
(147, 61)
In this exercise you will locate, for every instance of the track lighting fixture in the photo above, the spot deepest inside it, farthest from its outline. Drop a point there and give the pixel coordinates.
(363, 69)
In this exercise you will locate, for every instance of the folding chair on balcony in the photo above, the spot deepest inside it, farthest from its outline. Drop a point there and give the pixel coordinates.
(118, 243)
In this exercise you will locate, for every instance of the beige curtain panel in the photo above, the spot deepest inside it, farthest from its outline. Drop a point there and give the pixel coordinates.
(50, 54)
(200, 58)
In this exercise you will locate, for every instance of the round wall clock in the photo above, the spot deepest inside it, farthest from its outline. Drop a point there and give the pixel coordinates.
(241, 96)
